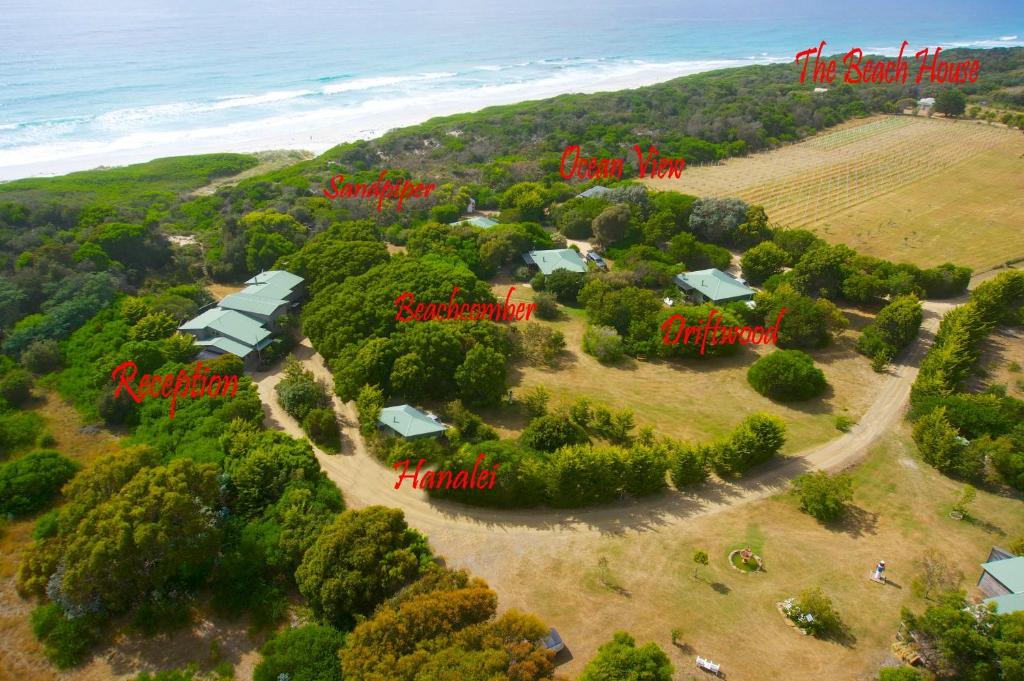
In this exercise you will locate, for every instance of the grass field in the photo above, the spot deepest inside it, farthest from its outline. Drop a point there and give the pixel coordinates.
(913, 189)
(696, 400)
(899, 514)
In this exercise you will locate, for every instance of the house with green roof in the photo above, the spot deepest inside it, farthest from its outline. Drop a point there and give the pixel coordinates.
(276, 285)
(480, 221)
(409, 422)
(556, 259)
(264, 310)
(713, 285)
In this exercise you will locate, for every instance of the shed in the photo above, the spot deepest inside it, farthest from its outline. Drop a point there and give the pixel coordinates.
(556, 259)
(1002, 577)
(713, 285)
(480, 221)
(596, 190)
(409, 422)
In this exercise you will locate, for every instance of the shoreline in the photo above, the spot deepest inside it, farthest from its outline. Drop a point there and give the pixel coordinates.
(316, 132)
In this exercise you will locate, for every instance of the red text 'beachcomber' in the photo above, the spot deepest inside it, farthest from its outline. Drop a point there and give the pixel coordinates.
(454, 310)
(381, 189)
(167, 385)
(480, 478)
(720, 335)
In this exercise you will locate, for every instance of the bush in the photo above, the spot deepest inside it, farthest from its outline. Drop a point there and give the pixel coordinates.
(547, 305)
(900, 674)
(16, 386)
(757, 439)
(579, 475)
(644, 468)
(822, 495)
(823, 620)
(548, 433)
(30, 483)
(299, 392)
(369, 403)
(308, 653)
(535, 401)
(322, 427)
(893, 328)
(541, 344)
(787, 375)
(46, 526)
(18, 429)
(762, 261)
(688, 463)
(465, 426)
(941, 446)
(522, 273)
(564, 285)
(41, 356)
(66, 642)
(604, 343)
(520, 480)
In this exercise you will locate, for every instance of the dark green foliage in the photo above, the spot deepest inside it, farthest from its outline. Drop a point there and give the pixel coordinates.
(359, 560)
(548, 433)
(333, 256)
(806, 323)
(821, 270)
(622, 659)
(716, 220)
(46, 526)
(1006, 455)
(66, 641)
(900, 674)
(950, 102)
(941, 446)
(322, 427)
(822, 495)
(565, 285)
(18, 430)
(308, 653)
(824, 621)
(893, 328)
(574, 217)
(369, 403)
(481, 377)
(30, 483)
(757, 439)
(643, 469)
(973, 643)
(611, 224)
(41, 356)
(688, 464)
(945, 281)
(299, 392)
(520, 478)
(16, 386)
(787, 375)
(465, 426)
(695, 315)
(579, 475)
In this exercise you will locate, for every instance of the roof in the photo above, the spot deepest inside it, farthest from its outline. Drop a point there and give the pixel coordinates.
(1009, 572)
(477, 221)
(596, 190)
(272, 284)
(232, 324)
(556, 259)
(714, 285)
(409, 421)
(1007, 603)
(244, 302)
(226, 345)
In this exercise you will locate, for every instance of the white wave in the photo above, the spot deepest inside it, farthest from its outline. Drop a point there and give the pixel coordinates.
(1007, 37)
(381, 81)
(488, 67)
(254, 100)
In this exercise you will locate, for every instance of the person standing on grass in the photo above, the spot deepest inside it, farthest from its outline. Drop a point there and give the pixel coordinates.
(879, 575)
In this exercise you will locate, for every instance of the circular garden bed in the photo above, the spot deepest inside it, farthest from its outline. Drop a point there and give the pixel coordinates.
(753, 563)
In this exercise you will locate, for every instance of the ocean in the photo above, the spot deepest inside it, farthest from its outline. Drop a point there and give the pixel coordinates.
(85, 83)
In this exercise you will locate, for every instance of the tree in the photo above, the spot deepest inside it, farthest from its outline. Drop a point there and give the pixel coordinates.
(964, 500)
(822, 495)
(806, 323)
(621, 659)
(688, 463)
(409, 376)
(369, 404)
(821, 270)
(16, 386)
(754, 229)
(548, 433)
(700, 558)
(308, 653)
(611, 225)
(322, 427)
(31, 482)
(41, 356)
(716, 220)
(541, 344)
(565, 285)
(269, 235)
(893, 328)
(154, 326)
(359, 560)
(941, 446)
(823, 621)
(604, 343)
(159, 526)
(950, 102)
(299, 392)
(547, 305)
(762, 261)
(937, 576)
(481, 377)
(644, 468)
(787, 375)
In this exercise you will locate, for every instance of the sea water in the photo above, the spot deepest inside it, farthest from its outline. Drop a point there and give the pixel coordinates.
(90, 82)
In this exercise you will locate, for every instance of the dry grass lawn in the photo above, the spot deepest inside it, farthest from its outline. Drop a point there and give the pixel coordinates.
(911, 189)
(899, 514)
(696, 400)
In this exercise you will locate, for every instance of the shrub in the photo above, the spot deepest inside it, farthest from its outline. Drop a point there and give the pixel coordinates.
(787, 375)
(822, 495)
(322, 427)
(369, 403)
(941, 446)
(843, 423)
(579, 475)
(66, 642)
(900, 674)
(535, 401)
(580, 412)
(31, 482)
(814, 613)
(548, 433)
(308, 653)
(758, 438)
(522, 273)
(46, 526)
(604, 343)
(893, 328)
(541, 344)
(299, 392)
(644, 468)
(762, 261)
(547, 305)
(16, 386)
(18, 429)
(688, 463)
(41, 356)
(564, 285)
(520, 480)
(622, 659)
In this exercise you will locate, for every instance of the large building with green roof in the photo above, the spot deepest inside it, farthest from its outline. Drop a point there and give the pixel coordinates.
(242, 323)
(1002, 580)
